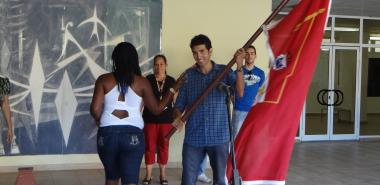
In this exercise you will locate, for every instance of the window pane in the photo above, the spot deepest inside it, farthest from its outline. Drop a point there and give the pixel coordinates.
(370, 100)
(345, 87)
(346, 30)
(371, 32)
(327, 33)
(316, 114)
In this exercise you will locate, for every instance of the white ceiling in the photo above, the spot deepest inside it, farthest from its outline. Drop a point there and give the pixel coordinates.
(367, 8)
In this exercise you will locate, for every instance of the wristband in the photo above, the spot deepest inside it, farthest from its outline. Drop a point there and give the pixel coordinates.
(172, 90)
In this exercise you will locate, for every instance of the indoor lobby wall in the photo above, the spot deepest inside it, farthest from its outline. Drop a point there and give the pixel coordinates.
(229, 24)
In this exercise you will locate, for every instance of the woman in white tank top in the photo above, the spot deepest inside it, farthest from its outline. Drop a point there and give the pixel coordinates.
(116, 107)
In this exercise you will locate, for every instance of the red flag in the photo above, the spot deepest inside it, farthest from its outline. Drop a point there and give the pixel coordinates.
(265, 141)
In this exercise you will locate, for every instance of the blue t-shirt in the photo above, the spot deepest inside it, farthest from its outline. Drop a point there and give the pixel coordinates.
(253, 79)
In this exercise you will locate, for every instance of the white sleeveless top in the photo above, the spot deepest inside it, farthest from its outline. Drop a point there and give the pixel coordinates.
(132, 104)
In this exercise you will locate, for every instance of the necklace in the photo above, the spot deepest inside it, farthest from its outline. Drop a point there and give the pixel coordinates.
(160, 86)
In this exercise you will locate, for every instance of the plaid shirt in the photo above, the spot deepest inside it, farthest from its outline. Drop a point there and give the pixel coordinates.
(208, 124)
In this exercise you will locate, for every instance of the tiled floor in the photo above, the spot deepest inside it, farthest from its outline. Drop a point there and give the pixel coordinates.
(313, 163)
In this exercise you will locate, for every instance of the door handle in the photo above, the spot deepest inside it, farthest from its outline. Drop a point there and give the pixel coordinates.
(323, 99)
(340, 97)
(320, 97)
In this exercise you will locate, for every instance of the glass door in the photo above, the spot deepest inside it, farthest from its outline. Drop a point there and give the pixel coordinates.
(314, 126)
(346, 93)
(330, 109)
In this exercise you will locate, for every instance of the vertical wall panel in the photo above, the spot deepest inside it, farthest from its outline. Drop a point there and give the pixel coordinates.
(52, 52)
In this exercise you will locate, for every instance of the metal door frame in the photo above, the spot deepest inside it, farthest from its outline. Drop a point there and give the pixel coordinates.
(330, 118)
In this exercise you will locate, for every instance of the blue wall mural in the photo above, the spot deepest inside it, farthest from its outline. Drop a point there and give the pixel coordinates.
(52, 51)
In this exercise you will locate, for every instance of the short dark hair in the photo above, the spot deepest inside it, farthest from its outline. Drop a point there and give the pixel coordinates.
(159, 56)
(253, 47)
(125, 65)
(199, 40)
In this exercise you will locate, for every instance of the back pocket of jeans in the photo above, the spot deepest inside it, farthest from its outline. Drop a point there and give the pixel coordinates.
(135, 140)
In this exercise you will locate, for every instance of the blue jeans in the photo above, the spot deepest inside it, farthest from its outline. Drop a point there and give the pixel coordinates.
(121, 149)
(238, 118)
(192, 157)
(203, 166)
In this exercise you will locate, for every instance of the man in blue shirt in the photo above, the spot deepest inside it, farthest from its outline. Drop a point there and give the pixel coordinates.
(253, 79)
(207, 127)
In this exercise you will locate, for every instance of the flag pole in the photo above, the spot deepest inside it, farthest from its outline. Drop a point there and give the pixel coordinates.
(219, 77)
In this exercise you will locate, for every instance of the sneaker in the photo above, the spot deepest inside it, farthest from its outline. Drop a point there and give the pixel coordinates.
(203, 178)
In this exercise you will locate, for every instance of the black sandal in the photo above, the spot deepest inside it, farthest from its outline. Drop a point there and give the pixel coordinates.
(164, 182)
(146, 181)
